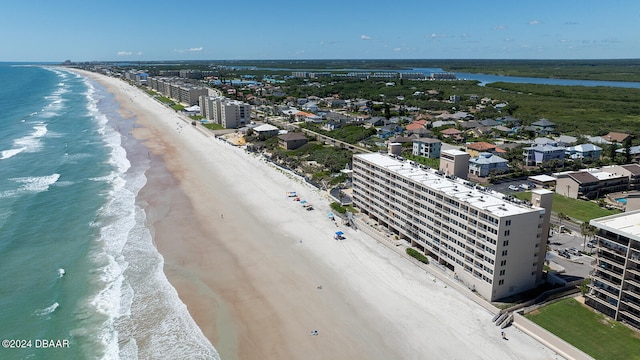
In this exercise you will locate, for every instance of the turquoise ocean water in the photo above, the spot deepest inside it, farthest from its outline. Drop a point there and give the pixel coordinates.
(77, 264)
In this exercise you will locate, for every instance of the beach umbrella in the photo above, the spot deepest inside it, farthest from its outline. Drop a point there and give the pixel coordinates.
(303, 202)
(339, 233)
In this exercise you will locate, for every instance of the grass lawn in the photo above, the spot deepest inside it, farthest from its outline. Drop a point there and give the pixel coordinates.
(577, 209)
(591, 332)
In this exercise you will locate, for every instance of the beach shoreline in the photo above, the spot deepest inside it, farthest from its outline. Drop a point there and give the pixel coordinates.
(259, 274)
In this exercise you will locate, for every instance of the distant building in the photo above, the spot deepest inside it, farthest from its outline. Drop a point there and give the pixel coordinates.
(427, 147)
(474, 149)
(586, 152)
(616, 137)
(537, 154)
(544, 126)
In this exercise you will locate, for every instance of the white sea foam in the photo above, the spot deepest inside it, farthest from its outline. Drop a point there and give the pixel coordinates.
(29, 143)
(47, 310)
(36, 183)
(61, 272)
(135, 301)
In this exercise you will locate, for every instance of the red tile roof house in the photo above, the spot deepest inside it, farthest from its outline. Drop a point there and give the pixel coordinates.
(452, 133)
(478, 147)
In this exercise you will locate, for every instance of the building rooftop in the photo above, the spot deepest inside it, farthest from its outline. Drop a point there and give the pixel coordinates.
(627, 223)
(464, 191)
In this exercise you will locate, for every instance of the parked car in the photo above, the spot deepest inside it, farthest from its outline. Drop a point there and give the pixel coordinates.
(514, 188)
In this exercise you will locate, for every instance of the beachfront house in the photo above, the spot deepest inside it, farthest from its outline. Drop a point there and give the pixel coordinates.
(292, 140)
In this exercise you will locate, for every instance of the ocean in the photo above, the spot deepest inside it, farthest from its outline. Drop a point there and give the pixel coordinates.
(80, 277)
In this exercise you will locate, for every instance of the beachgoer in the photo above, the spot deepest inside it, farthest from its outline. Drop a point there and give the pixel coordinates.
(222, 216)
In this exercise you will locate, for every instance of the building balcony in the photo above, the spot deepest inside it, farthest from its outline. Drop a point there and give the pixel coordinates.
(612, 291)
(607, 279)
(628, 300)
(629, 315)
(634, 272)
(614, 272)
(613, 248)
(610, 257)
(603, 299)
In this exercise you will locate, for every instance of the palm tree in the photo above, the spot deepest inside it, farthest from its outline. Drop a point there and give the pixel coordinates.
(586, 230)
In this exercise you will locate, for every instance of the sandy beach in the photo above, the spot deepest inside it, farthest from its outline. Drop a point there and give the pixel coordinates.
(258, 273)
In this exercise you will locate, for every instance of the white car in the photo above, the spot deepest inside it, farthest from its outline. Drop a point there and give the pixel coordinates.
(514, 188)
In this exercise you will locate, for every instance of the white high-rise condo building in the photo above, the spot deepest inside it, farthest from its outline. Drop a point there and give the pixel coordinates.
(615, 280)
(492, 242)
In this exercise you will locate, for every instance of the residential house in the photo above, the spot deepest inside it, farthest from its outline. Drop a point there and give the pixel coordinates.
(634, 151)
(585, 152)
(474, 149)
(589, 184)
(389, 130)
(452, 133)
(487, 163)
(469, 124)
(427, 147)
(310, 106)
(420, 132)
(375, 122)
(266, 130)
(538, 154)
(440, 123)
(292, 140)
(565, 140)
(616, 137)
(489, 122)
(301, 116)
(544, 126)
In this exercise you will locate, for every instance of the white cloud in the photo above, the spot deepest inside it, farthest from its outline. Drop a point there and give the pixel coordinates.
(535, 22)
(365, 37)
(196, 49)
(397, 49)
(508, 39)
(124, 53)
(434, 36)
(499, 27)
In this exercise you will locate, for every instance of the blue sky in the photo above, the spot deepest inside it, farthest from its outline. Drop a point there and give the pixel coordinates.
(47, 30)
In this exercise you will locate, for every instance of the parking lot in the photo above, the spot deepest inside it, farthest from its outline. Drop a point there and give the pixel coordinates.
(576, 264)
(512, 186)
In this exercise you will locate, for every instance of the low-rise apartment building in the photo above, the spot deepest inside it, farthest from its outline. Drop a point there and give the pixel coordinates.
(614, 289)
(495, 244)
